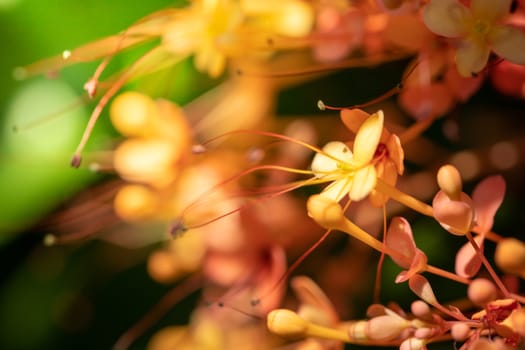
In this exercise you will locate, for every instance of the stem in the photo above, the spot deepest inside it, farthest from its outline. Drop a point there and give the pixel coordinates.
(328, 333)
(404, 198)
(415, 130)
(487, 265)
(446, 274)
(355, 231)
(493, 236)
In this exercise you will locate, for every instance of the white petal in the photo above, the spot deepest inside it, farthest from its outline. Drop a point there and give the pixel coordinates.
(509, 43)
(339, 152)
(337, 189)
(471, 57)
(446, 17)
(490, 10)
(363, 183)
(367, 138)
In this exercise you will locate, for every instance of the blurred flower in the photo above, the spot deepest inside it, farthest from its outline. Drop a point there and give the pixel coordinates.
(478, 30)
(434, 86)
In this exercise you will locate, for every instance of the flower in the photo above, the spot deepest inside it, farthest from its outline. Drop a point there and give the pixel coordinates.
(434, 87)
(351, 173)
(478, 30)
(388, 157)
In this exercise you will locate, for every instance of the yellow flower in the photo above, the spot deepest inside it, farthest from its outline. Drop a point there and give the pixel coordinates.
(478, 29)
(197, 31)
(351, 173)
(389, 155)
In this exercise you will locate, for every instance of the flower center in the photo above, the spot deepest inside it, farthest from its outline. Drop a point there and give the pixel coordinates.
(481, 28)
(381, 151)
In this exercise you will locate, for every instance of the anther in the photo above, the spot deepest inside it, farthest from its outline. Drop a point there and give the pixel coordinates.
(449, 181)
(76, 160)
(177, 228)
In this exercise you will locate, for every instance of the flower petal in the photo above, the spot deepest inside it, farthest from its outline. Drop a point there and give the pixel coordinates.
(509, 43)
(461, 87)
(421, 287)
(367, 138)
(386, 171)
(446, 17)
(471, 57)
(337, 189)
(468, 261)
(399, 237)
(353, 118)
(396, 153)
(334, 153)
(454, 216)
(490, 10)
(487, 197)
(363, 183)
(418, 265)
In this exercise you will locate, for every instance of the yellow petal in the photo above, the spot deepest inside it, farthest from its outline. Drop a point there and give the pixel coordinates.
(471, 57)
(490, 10)
(337, 189)
(367, 138)
(363, 183)
(446, 17)
(509, 43)
(335, 152)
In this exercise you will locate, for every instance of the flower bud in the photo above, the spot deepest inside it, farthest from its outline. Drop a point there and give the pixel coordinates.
(164, 267)
(449, 181)
(386, 327)
(420, 309)
(286, 322)
(149, 161)
(131, 113)
(412, 344)
(481, 291)
(460, 331)
(325, 211)
(135, 202)
(510, 256)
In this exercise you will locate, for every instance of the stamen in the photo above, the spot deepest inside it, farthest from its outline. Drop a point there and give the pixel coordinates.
(77, 157)
(395, 90)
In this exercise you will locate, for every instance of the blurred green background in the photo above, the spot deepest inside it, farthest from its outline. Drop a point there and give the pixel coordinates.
(62, 297)
(84, 296)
